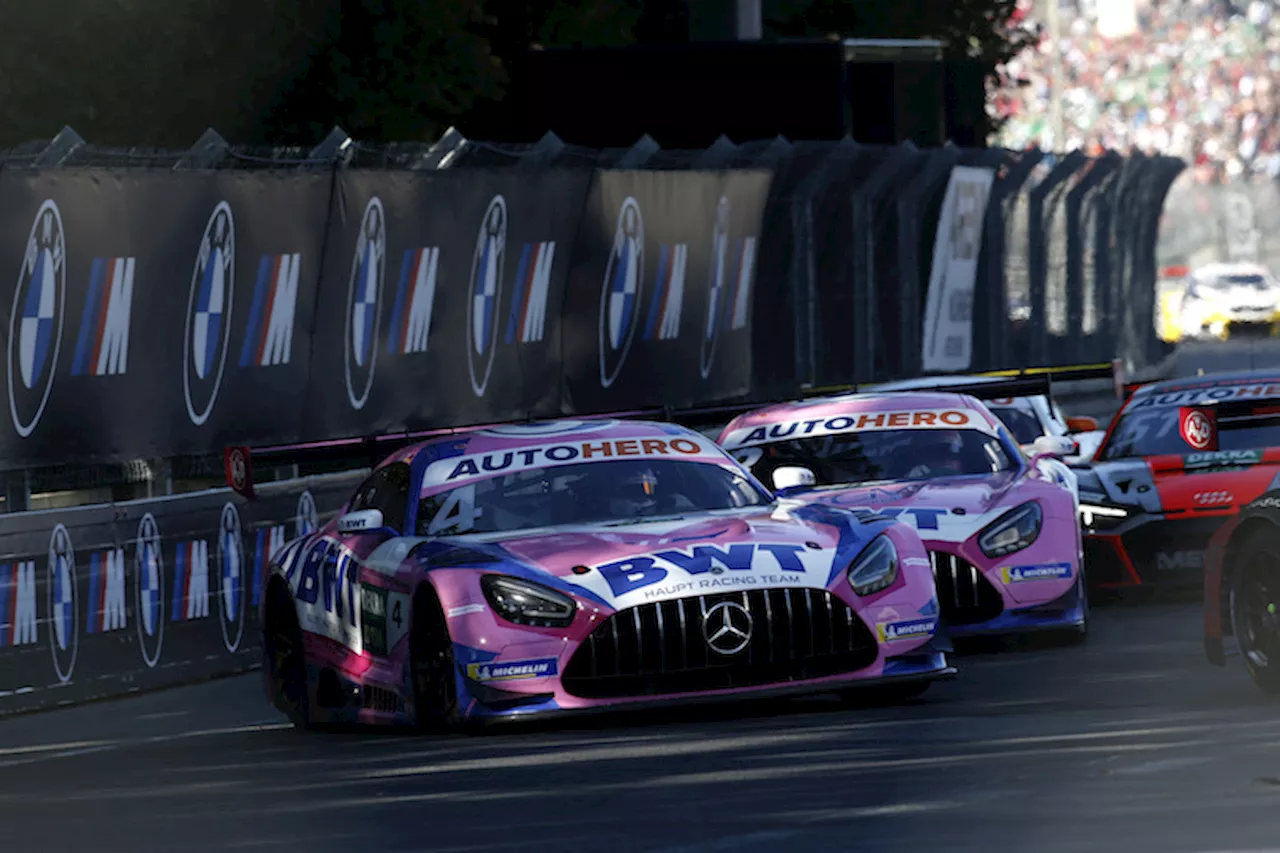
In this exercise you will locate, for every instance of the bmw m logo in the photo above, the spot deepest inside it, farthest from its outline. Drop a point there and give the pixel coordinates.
(231, 577)
(35, 323)
(306, 520)
(64, 603)
(718, 292)
(622, 291)
(364, 293)
(486, 293)
(209, 304)
(148, 579)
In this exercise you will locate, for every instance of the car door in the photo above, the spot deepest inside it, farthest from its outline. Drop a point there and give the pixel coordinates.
(327, 590)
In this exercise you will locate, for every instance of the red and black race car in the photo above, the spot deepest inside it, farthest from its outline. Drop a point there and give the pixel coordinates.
(1179, 459)
(1242, 591)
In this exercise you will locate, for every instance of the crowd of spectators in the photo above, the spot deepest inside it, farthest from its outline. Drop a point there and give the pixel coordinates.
(1196, 79)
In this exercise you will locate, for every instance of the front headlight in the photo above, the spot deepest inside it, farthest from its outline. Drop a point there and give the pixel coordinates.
(1013, 531)
(1099, 517)
(527, 603)
(876, 568)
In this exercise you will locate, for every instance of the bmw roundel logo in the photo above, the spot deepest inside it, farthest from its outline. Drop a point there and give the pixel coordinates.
(64, 603)
(148, 584)
(209, 304)
(35, 323)
(364, 293)
(486, 293)
(622, 290)
(718, 293)
(231, 566)
(548, 429)
(306, 519)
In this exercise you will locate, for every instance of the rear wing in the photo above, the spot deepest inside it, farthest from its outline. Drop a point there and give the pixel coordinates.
(1113, 370)
(996, 389)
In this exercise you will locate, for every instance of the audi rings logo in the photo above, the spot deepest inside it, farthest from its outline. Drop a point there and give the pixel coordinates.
(209, 304)
(364, 291)
(35, 323)
(231, 577)
(486, 293)
(718, 291)
(727, 628)
(64, 603)
(148, 584)
(621, 292)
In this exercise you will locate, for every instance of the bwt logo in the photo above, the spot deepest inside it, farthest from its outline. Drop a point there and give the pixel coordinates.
(36, 320)
(623, 316)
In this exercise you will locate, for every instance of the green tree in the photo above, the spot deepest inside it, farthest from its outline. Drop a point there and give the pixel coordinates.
(392, 70)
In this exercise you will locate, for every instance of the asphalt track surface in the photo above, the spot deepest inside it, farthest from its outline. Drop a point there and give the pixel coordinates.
(1132, 742)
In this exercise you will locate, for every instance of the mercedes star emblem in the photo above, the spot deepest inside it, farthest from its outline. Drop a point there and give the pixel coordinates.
(727, 627)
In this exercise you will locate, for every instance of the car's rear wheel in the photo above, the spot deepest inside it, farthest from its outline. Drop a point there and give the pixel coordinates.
(435, 691)
(1255, 609)
(285, 659)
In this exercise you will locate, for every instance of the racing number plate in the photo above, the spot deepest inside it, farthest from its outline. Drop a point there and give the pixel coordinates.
(373, 604)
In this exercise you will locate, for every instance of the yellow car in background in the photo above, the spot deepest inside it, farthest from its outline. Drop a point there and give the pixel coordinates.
(1221, 299)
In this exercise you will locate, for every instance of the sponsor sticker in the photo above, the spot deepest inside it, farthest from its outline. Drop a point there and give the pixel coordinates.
(1198, 427)
(462, 468)
(1221, 459)
(1042, 572)
(859, 422)
(906, 630)
(512, 671)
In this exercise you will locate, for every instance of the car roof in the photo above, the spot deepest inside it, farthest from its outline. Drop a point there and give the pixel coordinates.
(1208, 380)
(929, 382)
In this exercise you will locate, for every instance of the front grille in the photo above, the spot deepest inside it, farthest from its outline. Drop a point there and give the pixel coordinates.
(661, 648)
(381, 699)
(965, 596)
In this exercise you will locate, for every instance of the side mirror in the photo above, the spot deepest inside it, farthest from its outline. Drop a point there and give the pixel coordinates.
(792, 476)
(360, 521)
(1056, 446)
(1075, 425)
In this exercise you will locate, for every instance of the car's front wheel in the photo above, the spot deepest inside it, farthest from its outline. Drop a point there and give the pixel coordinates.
(284, 658)
(435, 689)
(1255, 609)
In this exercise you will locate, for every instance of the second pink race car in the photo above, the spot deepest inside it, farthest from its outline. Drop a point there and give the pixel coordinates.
(1003, 536)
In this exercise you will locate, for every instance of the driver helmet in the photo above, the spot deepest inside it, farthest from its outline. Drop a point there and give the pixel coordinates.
(633, 494)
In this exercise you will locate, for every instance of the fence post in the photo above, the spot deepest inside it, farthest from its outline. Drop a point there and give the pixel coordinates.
(59, 149)
(915, 251)
(1005, 191)
(1084, 190)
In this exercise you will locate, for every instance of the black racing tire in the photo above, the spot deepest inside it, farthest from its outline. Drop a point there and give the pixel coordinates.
(285, 659)
(1255, 607)
(432, 668)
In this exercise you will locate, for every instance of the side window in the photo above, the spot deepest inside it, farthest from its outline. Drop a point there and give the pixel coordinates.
(387, 489)
(393, 494)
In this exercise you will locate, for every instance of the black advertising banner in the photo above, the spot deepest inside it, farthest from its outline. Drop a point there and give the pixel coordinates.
(659, 304)
(155, 313)
(440, 299)
(106, 600)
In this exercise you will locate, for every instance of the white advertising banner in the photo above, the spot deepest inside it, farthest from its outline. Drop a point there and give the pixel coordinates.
(948, 318)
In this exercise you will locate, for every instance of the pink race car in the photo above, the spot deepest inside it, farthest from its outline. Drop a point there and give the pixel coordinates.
(577, 565)
(1002, 532)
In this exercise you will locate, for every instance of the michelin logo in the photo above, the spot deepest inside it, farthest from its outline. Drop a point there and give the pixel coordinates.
(1046, 572)
(514, 671)
(910, 629)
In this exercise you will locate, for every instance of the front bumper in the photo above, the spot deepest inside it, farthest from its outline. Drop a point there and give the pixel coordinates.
(1151, 549)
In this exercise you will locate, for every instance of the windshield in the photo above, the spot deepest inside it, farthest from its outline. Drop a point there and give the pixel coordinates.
(1023, 424)
(1155, 432)
(590, 492)
(904, 454)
